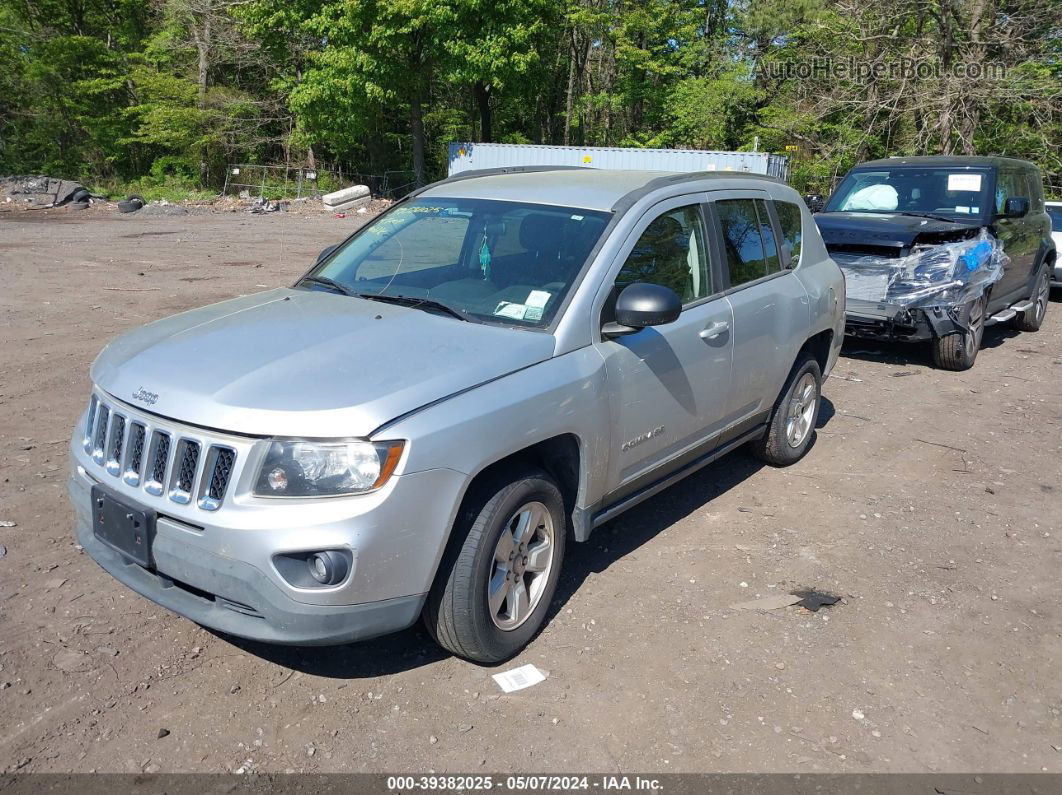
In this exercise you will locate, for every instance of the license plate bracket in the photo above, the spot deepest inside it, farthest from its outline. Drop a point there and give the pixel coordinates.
(128, 530)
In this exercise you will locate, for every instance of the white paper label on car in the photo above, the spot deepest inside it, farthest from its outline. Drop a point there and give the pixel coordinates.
(963, 210)
(507, 309)
(533, 313)
(519, 678)
(538, 298)
(970, 182)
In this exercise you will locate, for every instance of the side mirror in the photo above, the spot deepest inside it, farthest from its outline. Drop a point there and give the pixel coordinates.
(641, 305)
(326, 253)
(1015, 207)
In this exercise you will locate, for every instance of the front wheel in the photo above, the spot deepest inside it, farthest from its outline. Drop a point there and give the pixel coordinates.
(1033, 317)
(792, 423)
(495, 584)
(958, 351)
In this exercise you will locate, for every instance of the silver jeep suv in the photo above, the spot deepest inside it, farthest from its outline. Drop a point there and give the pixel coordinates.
(492, 368)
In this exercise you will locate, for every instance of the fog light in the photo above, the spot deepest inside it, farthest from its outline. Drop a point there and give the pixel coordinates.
(327, 568)
(320, 569)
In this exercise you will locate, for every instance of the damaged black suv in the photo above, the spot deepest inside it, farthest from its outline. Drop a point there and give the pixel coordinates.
(937, 248)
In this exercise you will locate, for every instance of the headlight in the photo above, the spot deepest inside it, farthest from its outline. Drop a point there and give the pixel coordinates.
(321, 469)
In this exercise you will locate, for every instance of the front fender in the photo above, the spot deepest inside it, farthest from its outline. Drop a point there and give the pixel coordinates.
(472, 430)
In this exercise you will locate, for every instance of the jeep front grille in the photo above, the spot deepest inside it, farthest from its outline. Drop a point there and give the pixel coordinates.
(135, 455)
(162, 461)
(187, 463)
(113, 460)
(158, 460)
(99, 441)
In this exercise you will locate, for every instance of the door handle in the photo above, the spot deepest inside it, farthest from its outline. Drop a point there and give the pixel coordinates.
(714, 330)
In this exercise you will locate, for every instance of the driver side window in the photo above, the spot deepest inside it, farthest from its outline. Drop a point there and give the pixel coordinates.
(671, 252)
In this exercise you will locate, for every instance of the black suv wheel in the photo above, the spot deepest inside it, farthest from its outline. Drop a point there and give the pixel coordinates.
(1033, 317)
(958, 351)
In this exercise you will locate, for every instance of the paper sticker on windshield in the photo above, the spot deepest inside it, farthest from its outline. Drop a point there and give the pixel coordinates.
(507, 309)
(970, 182)
(533, 313)
(538, 298)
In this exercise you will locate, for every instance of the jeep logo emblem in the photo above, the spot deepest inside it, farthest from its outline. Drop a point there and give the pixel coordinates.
(150, 398)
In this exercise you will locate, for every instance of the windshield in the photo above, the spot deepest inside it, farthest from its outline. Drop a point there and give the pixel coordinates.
(955, 193)
(1056, 217)
(490, 261)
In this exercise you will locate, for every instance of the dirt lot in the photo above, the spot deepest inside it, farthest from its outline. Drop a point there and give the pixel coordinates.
(930, 501)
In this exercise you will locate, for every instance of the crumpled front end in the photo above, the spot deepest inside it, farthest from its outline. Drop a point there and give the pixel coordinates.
(918, 296)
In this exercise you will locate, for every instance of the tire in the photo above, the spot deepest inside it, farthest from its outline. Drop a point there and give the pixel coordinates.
(792, 424)
(459, 613)
(1031, 319)
(127, 206)
(958, 351)
(78, 205)
(80, 195)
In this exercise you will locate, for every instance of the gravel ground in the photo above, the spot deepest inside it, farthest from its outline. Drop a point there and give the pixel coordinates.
(929, 502)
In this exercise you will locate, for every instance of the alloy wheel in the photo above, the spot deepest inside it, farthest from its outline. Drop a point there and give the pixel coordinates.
(523, 558)
(1043, 295)
(801, 410)
(976, 325)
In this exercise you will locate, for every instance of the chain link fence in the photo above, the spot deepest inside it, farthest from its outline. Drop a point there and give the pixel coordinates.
(253, 180)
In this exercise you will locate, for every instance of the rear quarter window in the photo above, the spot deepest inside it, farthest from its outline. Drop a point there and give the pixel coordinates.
(792, 231)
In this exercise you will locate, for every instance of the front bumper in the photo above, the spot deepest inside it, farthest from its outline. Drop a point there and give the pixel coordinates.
(909, 326)
(219, 568)
(236, 598)
(868, 320)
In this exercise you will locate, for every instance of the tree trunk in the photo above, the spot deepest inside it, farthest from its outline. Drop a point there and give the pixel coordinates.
(416, 124)
(202, 44)
(202, 37)
(481, 91)
(569, 102)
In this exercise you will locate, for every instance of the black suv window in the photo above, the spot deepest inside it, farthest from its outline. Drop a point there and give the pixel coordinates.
(671, 252)
(751, 251)
(789, 220)
(1009, 184)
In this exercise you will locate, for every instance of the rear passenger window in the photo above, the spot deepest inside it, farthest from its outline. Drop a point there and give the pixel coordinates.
(789, 221)
(770, 248)
(746, 257)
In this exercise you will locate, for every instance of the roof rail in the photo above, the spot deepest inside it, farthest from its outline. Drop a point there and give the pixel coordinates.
(624, 202)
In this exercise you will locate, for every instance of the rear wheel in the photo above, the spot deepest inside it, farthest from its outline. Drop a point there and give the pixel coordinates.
(496, 582)
(958, 351)
(792, 423)
(1033, 317)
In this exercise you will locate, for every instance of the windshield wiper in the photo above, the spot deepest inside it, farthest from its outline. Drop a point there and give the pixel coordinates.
(925, 215)
(331, 284)
(425, 303)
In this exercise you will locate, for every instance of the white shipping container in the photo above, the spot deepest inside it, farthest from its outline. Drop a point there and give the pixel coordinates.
(468, 156)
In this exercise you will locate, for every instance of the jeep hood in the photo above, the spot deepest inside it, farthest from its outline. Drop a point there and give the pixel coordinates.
(888, 234)
(306, 363)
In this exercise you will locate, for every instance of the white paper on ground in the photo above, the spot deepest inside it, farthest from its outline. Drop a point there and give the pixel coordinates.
(519, 678)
